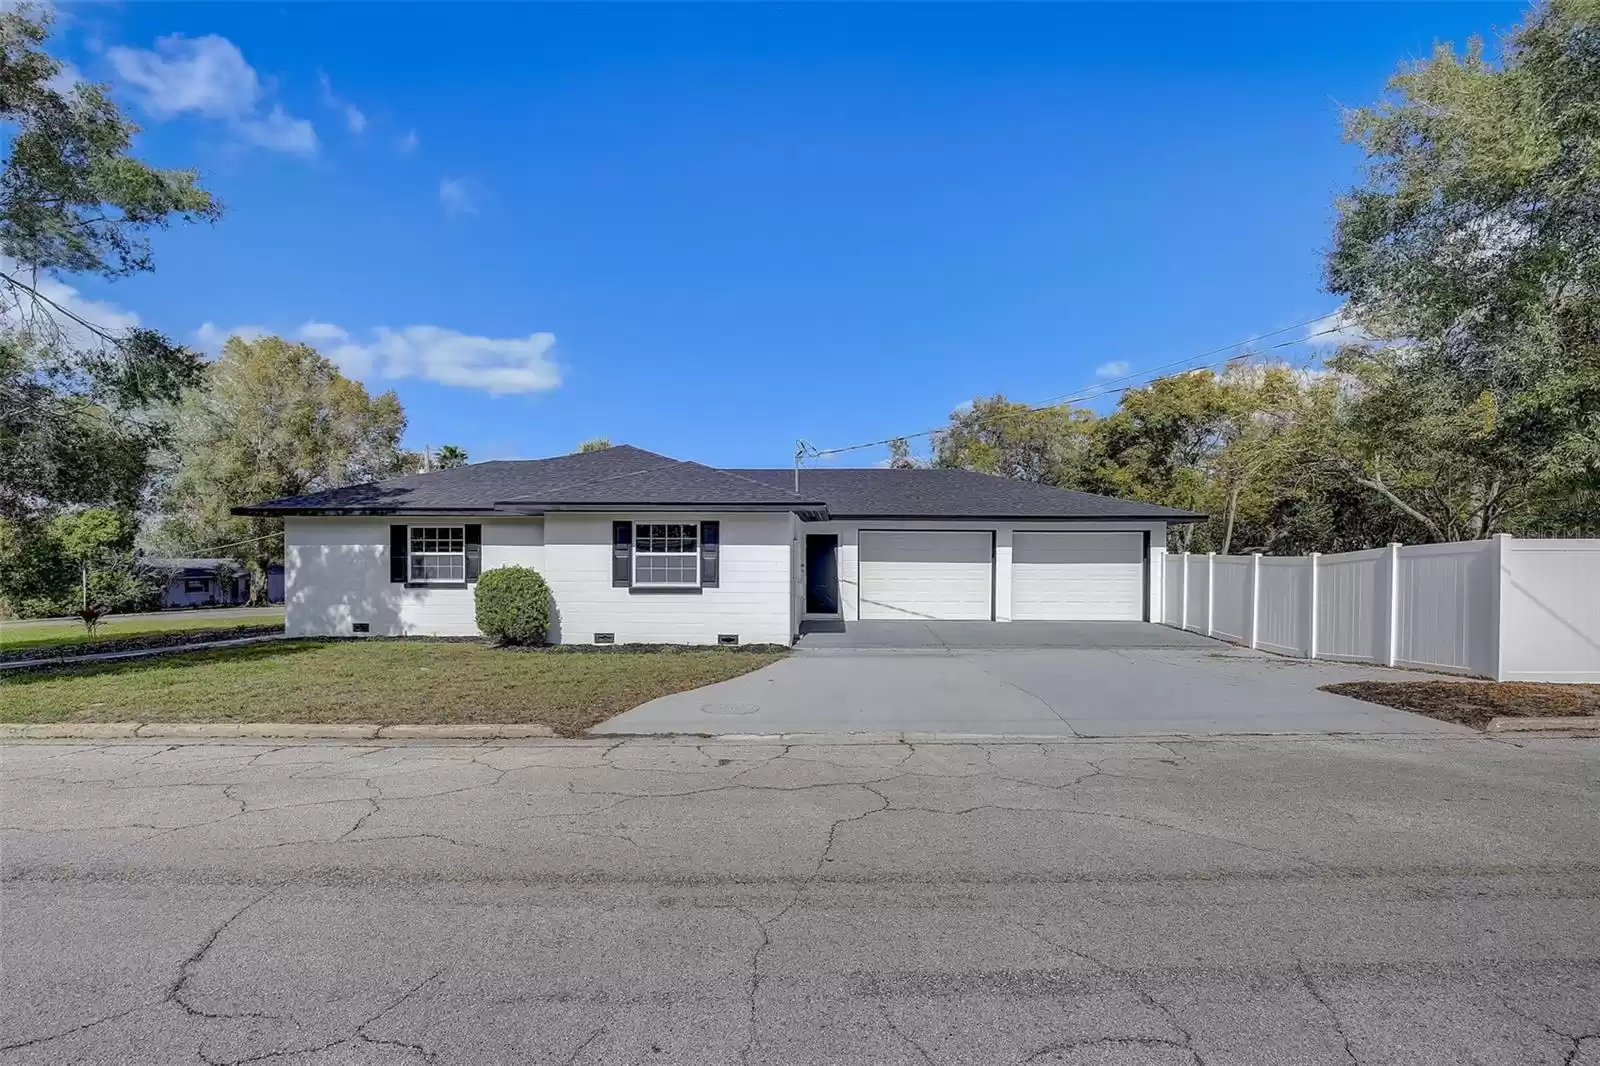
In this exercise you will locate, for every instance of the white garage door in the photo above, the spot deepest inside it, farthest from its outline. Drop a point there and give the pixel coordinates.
(907, 574)
(1077, 576)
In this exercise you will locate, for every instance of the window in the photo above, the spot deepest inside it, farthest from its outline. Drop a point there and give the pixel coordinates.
(666, 553)
(196, 584)
(438, 554)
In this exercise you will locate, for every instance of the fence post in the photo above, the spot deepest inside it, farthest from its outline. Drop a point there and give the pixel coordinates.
(1255, 598)
(1500, 548)
(1311, 630)
(1183, 605)
(1211, 589)
(1392, 651)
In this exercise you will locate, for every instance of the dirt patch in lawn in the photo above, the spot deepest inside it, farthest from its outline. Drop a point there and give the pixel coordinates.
(1475, 703)
(139, 642)
(382, 682)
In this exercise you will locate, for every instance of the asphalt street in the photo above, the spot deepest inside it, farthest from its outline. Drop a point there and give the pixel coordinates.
(1273, 901)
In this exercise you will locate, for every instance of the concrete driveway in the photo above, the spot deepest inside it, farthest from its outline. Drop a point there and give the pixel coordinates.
(1054, 679)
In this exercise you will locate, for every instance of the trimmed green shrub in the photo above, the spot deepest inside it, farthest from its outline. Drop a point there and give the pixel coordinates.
(513, 605)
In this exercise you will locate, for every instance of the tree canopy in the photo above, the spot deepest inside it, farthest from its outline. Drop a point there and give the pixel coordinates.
(271, 419)
(1471, 254)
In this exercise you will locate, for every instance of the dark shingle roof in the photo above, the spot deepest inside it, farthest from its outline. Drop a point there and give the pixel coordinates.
(625, 476)
(619, 476)
(924, 493)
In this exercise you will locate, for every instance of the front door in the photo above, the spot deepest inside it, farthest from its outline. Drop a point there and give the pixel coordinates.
(822, 573)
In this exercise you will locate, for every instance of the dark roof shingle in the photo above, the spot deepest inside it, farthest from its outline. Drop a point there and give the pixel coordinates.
(929, 493)
(625, 476)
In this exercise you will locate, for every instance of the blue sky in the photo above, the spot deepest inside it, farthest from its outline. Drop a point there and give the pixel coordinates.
(710, 230)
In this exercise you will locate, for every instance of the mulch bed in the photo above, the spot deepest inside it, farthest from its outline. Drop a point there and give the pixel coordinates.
(138, 642)
(1474, 703)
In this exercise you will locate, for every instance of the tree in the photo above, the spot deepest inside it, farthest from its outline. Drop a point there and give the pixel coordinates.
(594, 444)
(1053, 446)
(272, 419)
(450, 457)
(1471, 253)
(900, 455)
(78, 403)
(88, 535)
(1157, 444)
(71, 197)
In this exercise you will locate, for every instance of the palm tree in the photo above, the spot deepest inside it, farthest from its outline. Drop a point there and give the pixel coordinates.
(450, 456)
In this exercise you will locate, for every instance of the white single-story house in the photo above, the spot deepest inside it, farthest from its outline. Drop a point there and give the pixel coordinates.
(642, 548)
(209, 582)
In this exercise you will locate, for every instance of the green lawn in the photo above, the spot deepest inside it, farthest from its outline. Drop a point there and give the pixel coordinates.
(16, 635)
(386, 682)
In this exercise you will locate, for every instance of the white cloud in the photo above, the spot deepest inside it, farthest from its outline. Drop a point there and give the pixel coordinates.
(1116, 369)
(209, 77)
(322, 333)
(354, 117)
(210, 338)
(64, 80)
(458, 196)
(1335, 330)
(407, 143)
(500, 366)
(279, 132)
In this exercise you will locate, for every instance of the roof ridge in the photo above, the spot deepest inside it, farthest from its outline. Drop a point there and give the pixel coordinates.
(740, 477)
(608, 477)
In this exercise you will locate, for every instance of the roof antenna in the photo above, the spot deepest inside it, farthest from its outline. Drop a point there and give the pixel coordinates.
(803, 449)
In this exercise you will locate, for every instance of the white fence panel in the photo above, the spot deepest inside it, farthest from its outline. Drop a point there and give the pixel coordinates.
(1550, 610)
(1230, 598)
(1284, 606)
(1352, 606)
(1446, 607)
(1513, 610)
(1199, 593)
(1172, 585)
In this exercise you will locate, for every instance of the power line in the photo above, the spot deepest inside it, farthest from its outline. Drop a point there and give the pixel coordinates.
(1101, 389)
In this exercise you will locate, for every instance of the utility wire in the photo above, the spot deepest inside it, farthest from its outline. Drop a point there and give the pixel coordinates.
(1103, 388)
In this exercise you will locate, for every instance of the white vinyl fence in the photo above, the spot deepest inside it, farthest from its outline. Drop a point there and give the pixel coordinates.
(1508, 609)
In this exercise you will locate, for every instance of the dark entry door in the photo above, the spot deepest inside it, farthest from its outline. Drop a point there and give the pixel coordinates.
(822, 573)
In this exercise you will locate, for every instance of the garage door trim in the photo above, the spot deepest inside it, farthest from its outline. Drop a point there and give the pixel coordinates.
(994, 562)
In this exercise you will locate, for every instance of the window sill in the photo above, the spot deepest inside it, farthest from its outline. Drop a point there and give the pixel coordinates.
(436, 584)
(665, 590)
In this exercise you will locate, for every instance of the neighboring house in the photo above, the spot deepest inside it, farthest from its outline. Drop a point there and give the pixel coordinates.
(640, 548)
(210, 582)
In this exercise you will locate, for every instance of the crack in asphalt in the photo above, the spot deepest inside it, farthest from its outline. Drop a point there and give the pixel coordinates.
(1133, 985)
(174, 992)
(1053, 772)
(894, 1027)
(1327, 1005)
(34, 1041)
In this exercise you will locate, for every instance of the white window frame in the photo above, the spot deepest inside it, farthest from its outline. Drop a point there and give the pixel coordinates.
(412, 554)
(640, 554)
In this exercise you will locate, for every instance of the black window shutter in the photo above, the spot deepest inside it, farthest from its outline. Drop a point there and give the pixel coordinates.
(710, 553)
(621, 554)
(474, 551)
(398, 547)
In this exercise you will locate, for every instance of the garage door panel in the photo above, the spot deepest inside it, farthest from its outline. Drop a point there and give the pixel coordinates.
(1078, 548)
(927, 575)
(1092, 577)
